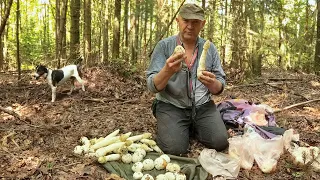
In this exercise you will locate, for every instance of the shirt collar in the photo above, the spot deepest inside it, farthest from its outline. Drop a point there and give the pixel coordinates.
(179, 42)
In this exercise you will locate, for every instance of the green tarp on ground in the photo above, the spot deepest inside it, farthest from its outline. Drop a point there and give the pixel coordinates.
(189, 166)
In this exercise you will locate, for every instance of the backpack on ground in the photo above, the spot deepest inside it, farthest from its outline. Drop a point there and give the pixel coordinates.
(237, 112)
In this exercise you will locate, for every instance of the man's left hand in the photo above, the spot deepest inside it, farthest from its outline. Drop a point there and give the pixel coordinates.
(209, 80)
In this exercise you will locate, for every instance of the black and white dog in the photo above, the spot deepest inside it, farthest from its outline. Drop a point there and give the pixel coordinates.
(59, 76)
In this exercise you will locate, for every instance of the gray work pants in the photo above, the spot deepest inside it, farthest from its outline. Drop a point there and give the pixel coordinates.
(175, 125)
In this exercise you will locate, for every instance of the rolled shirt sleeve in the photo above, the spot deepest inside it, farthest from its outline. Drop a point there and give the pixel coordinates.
(216, 67)
(158, 60)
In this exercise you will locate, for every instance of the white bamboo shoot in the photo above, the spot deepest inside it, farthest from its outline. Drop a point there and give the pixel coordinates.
(111, 157)
(157, 149)
(114, 133)
(148, 142)
(105, 150)
(105, 142)
(203, 57)
(141, 136)
(124, 137)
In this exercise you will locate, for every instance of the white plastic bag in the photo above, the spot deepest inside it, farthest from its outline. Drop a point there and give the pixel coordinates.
(239, 149)
(267, 152)
(251, 146)
(217, 163)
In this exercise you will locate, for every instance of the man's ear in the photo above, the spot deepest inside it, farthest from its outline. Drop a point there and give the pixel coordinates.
(203, 23)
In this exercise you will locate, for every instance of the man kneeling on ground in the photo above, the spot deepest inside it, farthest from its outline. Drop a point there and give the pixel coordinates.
(183, 105)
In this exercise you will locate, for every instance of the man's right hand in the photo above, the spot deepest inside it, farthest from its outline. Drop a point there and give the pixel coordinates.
(174, 63)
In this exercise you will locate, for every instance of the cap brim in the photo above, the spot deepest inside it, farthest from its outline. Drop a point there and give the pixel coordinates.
(191, 16)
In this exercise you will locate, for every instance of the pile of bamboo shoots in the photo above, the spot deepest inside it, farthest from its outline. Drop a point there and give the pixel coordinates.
(130, 149)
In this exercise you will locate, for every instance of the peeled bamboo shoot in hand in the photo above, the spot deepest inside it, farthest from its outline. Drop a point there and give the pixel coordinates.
(203, 57)
(179, 49)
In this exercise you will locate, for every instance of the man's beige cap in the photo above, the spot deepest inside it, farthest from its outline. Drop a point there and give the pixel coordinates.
(191, 11)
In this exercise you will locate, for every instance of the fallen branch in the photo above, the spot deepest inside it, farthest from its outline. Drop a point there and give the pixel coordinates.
(295, 105)
(95, 100)
(277, 87)
(283, 79)
(258, 84)
(105, 100)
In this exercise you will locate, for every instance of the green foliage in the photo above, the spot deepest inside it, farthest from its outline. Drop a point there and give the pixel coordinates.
(30, 44)
(285, 28)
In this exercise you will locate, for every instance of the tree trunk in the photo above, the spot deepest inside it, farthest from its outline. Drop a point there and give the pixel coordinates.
(87, 31)
(18, 40)
(57, 33)
(1, 38)
(63, 30)
(281, 38)
(6, 17)
(317, 51)
(224, 33)
(160, 16)
(211, 20)
(116, 30)
(136, 33)
(257, 25)
(151, 30)
(146, 17)
(105, 33)
(45, 39)
(203, 4)
(3, 20)
(75, 30)
(125, 24)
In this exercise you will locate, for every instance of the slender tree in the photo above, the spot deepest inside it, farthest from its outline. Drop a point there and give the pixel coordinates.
(317, 51)
(135, 44)
(203, 5)
(145, 23)
(125, 23)
(57, 32)
(105, 33)
(17, 39)
(238, 35)
(63, 30)
(116, 30)
(258, 28)
(6, 16)
(3, 19)
(75, 30)
(87, 30)
(210, 14)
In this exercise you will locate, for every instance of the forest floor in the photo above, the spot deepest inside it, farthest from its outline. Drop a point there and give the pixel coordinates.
(40, 146)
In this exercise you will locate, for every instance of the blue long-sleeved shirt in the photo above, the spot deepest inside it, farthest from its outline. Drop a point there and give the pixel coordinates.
(177, 91)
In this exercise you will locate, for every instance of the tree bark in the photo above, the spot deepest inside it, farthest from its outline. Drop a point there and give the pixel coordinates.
(57, 33)
(136, 33)
(203, 5)
(87, 31)
(105, 33)
(257, 25)
(63, 30)
(18, 40)
(317, 50)
(125, 23)
(75, 30)
(6, 17)
(116, 30)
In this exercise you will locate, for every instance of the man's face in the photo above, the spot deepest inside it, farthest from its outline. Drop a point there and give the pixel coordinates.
(189, 28)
